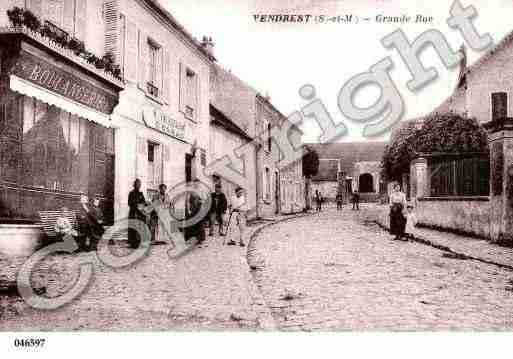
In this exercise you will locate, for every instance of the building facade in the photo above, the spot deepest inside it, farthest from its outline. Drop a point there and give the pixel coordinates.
(280, 189)
(162, 120)
(349, 167)
(56, 135)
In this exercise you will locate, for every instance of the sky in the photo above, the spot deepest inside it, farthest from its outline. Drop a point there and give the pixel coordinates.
(278, 59)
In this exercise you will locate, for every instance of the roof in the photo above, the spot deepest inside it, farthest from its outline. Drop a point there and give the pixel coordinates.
(328, 169)
(155, 5)
(349, 153)
(220, 119)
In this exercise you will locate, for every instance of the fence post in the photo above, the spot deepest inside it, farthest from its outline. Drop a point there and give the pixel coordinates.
(419, 178)
(500, 137)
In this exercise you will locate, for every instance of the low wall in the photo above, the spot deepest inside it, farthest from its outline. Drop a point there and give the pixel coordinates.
(18, 240)
(469, 215)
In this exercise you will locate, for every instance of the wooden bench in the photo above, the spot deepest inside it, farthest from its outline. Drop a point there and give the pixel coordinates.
(49, 219)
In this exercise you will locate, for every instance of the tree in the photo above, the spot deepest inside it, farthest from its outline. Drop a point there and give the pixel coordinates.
(310, 168)
(310, 163)
(442, 133)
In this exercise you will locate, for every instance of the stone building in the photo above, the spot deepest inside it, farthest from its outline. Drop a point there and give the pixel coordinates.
(271, 189)
(349, 167)
(483, 91)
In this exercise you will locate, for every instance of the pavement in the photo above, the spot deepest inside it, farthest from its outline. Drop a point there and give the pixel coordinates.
(472, 247)
(333, 271)
(210, 288)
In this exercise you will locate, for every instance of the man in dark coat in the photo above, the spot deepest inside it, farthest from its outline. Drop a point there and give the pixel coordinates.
(90, 222)
(136, 202)
(193, 210)
(217, 209)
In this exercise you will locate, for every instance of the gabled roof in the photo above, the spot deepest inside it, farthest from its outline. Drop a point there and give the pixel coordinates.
(171, 20)
(220, 119)
(349, 153)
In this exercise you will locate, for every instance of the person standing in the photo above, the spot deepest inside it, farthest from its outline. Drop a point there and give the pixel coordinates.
(136, 203)
(318, 200)
(397, 205)
(239, 209)
(340, 200)
(356, 201)
(193, 212)
(217, 209)
(163, 203)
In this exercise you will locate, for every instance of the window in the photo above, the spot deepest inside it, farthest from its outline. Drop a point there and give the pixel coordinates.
(154, 166)
(53, 11)
(269, 138)
(203, 157)
(189, 93)
(499, 105)
(267, 184)
(154, 69)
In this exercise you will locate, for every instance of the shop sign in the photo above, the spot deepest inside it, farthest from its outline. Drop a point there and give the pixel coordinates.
(41, 73)
(159, 121)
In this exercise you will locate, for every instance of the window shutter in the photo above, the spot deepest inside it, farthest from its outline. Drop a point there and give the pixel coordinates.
(158, 71)
(142, 162)
(196, 100)
(80, 19)
(36, 7)
(166, 76)
(131, 51)
(69, 16)
(143, 60)
(183, 87)
(111, 16)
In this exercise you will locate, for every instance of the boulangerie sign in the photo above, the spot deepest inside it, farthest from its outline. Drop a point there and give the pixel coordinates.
(44, 74)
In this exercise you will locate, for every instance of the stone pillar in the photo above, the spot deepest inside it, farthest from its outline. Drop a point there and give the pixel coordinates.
(419, 183)
(500, 137)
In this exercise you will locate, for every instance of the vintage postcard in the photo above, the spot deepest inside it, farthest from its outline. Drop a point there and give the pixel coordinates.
(259, 166)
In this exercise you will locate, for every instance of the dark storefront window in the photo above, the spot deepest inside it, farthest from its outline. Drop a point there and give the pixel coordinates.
(55, 148)
(48, 157)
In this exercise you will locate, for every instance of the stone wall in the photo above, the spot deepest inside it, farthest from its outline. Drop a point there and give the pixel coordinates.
(466, 215)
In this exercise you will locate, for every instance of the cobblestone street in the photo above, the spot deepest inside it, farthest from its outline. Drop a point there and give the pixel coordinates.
(328, 271)
(332, 272)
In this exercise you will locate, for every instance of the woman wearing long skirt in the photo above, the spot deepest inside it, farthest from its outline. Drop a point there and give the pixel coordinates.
(397, 205)
(163, 202)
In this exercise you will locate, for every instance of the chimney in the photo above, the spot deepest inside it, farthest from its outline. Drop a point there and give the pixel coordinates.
(208, 45)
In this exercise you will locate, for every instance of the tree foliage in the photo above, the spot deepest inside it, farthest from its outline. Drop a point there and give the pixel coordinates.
(310, 163)
(446, 133)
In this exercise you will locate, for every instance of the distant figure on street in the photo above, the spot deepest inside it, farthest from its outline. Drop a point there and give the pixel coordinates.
(217, 209)
(355, 199)
(63, 228)
(318, 200)
(239, 209)
(411, 222)
(136, 203)
(397, 205)
(340, 201)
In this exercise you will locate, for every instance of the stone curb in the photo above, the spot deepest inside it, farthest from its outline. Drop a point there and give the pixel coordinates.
(457, 254)
(265, 318)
